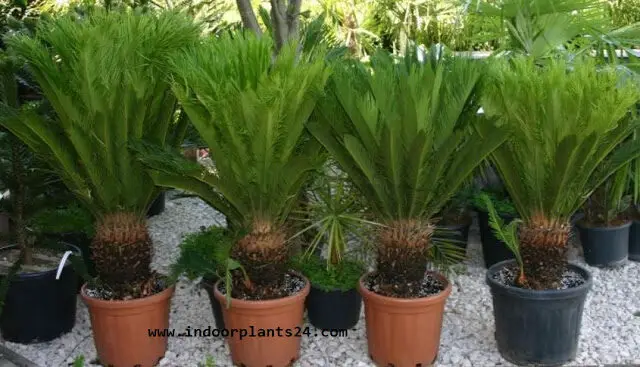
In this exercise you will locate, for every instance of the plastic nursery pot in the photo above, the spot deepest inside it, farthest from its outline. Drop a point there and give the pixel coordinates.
(333, 310)
(458, 234)
(121, 328)
(606, 246)
(634, 241)
(38, 307)
(493, 250)
(404, 332)
(538, 328)
(251, 316)
(207, 285)
(158, 205)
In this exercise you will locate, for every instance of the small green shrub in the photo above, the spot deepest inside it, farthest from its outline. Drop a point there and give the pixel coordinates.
(342, 276)
(203, 254)
(501, 202)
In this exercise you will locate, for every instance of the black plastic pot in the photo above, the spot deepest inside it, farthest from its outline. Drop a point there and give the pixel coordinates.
(332, 310)
(634, 241)
(605, 247)
(39, 308)
(216, 307)
(458, 234)
(538, 328)
(158, 205)
(493, 250)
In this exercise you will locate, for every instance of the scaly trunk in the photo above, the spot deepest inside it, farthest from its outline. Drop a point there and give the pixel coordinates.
(122, 251)
(402, 257)
(543, 247)
(18, 201)
(265, 257)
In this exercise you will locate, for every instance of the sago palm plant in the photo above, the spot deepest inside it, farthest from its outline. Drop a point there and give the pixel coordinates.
(403, 132)
(105, 77)
(566, 126)
(250, 109)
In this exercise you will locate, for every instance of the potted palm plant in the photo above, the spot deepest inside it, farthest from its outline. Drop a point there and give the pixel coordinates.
(566, 127)
(604, 229)
(403, 131)
(250, 108)
(337, 216)
(104, 74)
(454, 222)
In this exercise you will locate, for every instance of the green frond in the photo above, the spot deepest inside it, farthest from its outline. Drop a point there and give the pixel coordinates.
(404, 131)
(105, 77)
(566, 124)
(250, 110)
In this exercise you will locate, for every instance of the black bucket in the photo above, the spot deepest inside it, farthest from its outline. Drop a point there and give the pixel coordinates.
(158, 205)
(605, 247)
(39, 308)
(216, 307)
(493, 250)
(634, 241)
(333, 310)
(538, 328)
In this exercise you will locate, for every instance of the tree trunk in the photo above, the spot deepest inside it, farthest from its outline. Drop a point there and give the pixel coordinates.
(284, 19)
(18, 200)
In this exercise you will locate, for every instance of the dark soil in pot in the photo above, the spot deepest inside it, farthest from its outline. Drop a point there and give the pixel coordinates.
(333, 309)
(634, 241)
(493, 250)
(605, 246)
(158, 205)
(216, 307)
(39, 308)
(539, 328)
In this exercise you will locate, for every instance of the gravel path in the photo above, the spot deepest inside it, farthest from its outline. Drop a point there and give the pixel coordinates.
(610, 331)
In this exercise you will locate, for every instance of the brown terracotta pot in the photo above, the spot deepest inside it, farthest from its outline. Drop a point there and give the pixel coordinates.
(404, 332)
(251, 316)
(121, 329)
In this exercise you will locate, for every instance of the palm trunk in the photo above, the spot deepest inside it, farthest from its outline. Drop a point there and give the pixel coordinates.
(402, 257)
(122, 252)
(543, 248)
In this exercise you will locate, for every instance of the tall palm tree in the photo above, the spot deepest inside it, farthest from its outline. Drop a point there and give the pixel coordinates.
(104, 76)
(404, 133)
(566, 127)
(250, 109)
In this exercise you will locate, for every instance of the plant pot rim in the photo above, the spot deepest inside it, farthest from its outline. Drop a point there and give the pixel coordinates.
(408, 302)
(40, 274)
(546, 294)
(453, 226)
(627, 223)
(333, 290)
(263, 304)
(124, 304)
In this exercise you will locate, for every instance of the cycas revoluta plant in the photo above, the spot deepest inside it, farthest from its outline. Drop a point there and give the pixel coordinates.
(403, 132)
(250, 110)
(565, 126)
(104, 76)
(609, 203)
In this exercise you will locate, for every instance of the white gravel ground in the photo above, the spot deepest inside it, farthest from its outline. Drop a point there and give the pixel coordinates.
(610, 331)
